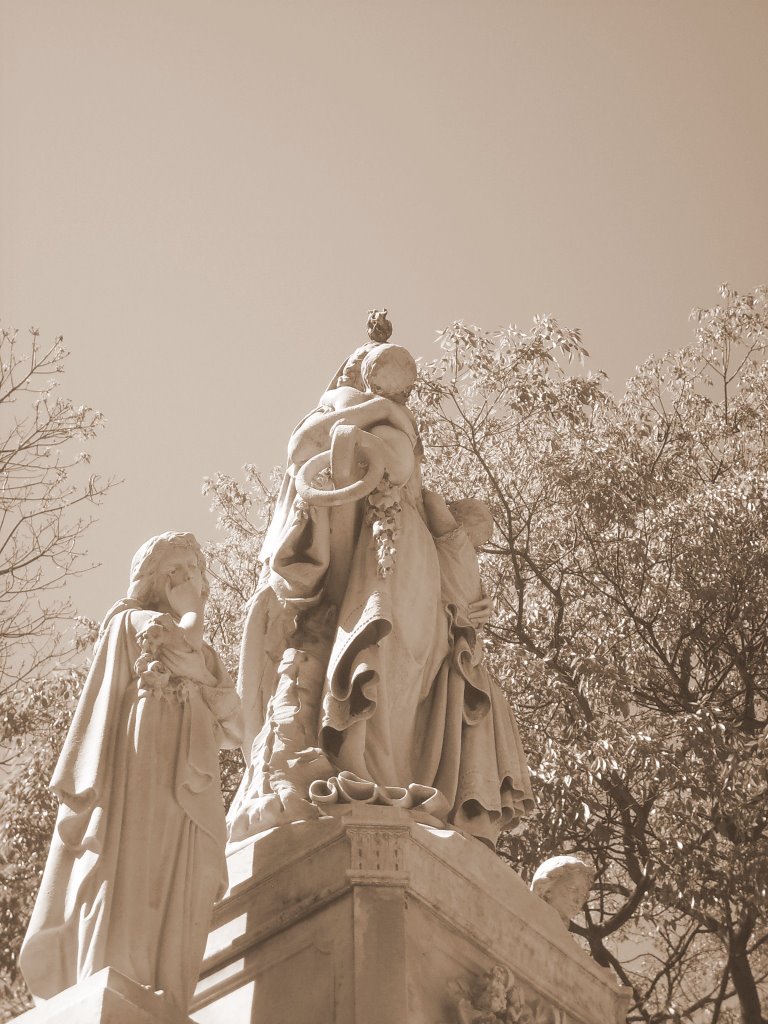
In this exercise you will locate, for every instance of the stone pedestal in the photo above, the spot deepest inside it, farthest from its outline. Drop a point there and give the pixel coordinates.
(107, 997)
(373, 918)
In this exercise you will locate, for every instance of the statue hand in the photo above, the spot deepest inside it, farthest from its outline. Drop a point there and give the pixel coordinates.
(480, 612)
(184, 598)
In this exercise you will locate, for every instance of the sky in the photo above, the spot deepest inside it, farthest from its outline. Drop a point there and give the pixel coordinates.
(206, 198)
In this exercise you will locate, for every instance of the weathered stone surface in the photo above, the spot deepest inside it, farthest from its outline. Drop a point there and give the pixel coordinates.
(106, 997)
(373, 918)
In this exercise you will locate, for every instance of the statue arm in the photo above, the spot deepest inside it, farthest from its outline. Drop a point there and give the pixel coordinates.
(440, 519)
(311, 436)
(224, 703)
(313, 433)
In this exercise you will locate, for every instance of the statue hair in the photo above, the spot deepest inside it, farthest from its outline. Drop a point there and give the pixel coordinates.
(350, 372)
(551, 871)
(393, 365)
(469, 512)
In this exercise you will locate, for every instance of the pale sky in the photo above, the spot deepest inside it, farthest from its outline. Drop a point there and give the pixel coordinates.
(206, 199)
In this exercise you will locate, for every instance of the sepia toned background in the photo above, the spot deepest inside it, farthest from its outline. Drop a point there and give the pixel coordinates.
(206, 199)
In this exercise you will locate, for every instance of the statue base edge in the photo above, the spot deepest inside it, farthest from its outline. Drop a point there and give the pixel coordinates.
(107, 997)
(374, 918)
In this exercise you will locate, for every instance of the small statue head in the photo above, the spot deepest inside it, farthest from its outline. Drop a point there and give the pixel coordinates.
(167, 557)
(389, 371)
(564, 882)
(475, 516)
(379, 328)
(349, 375)
(490, 990)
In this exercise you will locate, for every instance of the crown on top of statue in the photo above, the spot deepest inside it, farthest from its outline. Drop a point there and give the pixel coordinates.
(378, 326)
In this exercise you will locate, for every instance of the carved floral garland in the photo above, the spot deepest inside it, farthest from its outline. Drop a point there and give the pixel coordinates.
(154, 678)
(383, 516)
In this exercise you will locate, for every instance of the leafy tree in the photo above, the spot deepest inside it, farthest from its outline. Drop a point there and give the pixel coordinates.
(243, 512)
(630, 575)
(41, 715)
(46, 503)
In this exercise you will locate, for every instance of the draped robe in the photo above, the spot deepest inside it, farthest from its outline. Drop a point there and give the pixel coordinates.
(406, 699)
(137, 855)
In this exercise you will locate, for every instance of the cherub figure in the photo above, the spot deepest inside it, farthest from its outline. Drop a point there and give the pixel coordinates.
(461, 528)
(564, 882)
(492, 998)
(371, 419)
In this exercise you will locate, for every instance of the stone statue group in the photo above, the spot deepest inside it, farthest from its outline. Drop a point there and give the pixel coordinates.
(361, 678)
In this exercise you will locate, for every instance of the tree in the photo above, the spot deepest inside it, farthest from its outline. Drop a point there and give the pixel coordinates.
(46, 502)
(630, 570)
(45, 505)
(243, 512)
(42, 713)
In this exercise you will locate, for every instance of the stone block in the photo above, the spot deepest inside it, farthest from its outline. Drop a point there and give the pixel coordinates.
(374, 918)
(107, 997)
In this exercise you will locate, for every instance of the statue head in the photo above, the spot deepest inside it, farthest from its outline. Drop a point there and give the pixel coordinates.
(490, 989)
(475, 516)
(564, 882)
(389, 371)
(349, 372)
(149, 567)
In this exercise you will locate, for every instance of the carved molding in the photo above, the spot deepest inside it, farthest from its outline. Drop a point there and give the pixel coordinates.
(377, 855)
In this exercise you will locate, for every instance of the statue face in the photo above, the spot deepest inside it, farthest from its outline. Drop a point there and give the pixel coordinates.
(180, 565)
(401, 396)
(569, 894)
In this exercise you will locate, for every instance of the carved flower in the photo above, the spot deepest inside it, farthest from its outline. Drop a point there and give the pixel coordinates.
(384, 499)
(151, 635)
(182, 689)
(383, 515)
(323, 480)
(300, 510)
(142, 664)
(153, 677)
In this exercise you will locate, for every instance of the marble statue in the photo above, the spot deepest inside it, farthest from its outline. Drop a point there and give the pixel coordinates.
(137, 856)
(362, 672)
(564, 882)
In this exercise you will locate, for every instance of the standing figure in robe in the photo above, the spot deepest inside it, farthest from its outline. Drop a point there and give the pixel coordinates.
(137, 856)
(350, 545)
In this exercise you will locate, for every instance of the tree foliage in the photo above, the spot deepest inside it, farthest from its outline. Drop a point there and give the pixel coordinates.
(47, 499)
(46, 504)
(243, 512)
(630, 575)
(42, 713)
